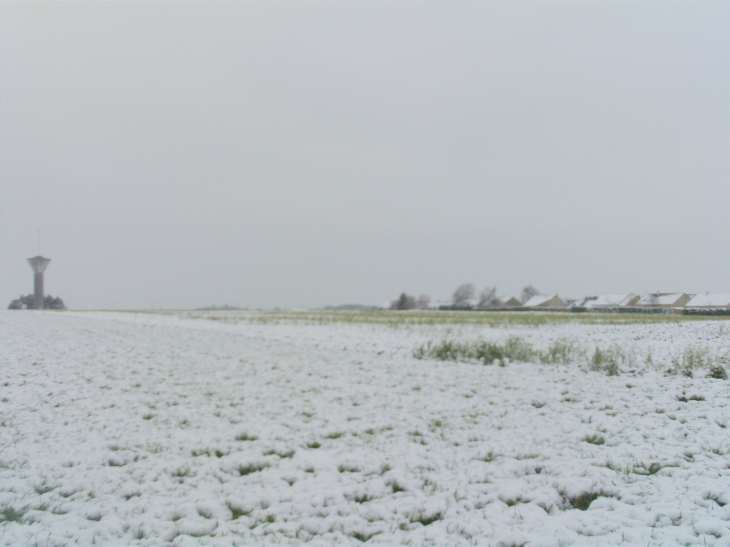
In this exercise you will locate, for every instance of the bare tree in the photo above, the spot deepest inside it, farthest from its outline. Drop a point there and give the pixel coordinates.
(423, 302)
(463, 296)
(528, 292)
(488, 297)
(404, 302)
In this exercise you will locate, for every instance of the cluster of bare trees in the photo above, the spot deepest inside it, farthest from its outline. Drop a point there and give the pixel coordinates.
(27, 302)
(465, 297)
(528, 292)
(410, 302)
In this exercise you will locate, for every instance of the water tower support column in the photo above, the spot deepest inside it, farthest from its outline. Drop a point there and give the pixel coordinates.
(39, 265)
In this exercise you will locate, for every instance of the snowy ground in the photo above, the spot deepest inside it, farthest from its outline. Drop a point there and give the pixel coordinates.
(121, 428)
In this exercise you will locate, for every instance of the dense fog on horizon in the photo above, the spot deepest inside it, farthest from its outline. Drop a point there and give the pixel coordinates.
(303, 154)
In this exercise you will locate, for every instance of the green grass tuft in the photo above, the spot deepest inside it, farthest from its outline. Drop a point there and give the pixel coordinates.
(489, 457)
(609, 360)
(598, 440)
(182, 471)
(718, 373)
(643, 469)
(685, 399)
(395, 486)
(363, 536)
(243, 437)
(11, 514)
(426, 518)
(249, 468)
(348, 468)
(562, 351)
(583, 501)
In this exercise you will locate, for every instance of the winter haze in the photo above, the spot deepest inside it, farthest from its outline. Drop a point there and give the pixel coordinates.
(303, 154)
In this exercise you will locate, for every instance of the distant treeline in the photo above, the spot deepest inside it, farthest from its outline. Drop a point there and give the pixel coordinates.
(409, 302)
(464, 298)
(27, 303)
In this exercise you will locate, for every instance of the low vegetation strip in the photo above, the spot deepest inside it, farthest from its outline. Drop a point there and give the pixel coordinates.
(433, 318)
(514, 348)
(610, 360)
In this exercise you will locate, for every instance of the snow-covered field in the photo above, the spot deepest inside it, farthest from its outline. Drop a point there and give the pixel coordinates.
(134, 428)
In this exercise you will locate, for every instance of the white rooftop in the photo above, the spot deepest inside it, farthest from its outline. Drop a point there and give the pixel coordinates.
(609, 300)
(712, 300)
(539, 300)
(662, 299)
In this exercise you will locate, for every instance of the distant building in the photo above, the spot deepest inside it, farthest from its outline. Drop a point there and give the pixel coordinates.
(542, 301)
(511, 302)
(613, 301)
(710, 300)
(663, 300)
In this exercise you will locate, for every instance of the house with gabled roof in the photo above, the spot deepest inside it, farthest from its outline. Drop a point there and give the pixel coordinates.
(663, 300)
(543, 301)
(613, 301)
(710, 300)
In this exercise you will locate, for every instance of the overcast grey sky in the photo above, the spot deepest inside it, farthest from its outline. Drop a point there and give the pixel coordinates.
(303, 154)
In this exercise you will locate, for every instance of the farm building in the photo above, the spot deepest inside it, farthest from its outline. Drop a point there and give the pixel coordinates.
(710, 300)
(613, 301)
(542, 301)
(663, 300)
(509, 301)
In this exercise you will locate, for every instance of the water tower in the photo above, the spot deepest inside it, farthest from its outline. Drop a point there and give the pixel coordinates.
(39, 265)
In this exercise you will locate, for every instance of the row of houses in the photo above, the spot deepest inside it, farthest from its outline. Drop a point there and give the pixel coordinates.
(650, 300)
